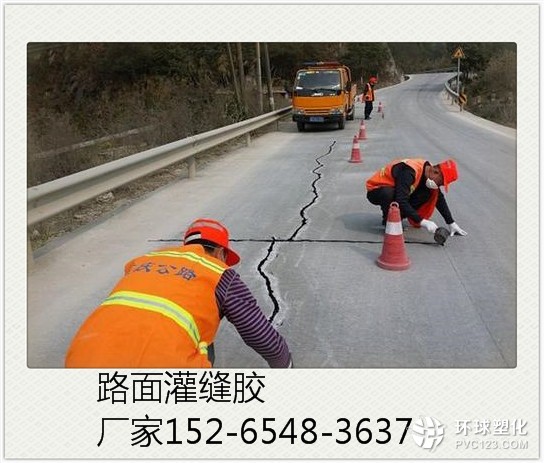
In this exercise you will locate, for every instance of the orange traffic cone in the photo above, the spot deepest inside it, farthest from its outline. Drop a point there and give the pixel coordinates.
(393, 255)
(355, 151)
(362, 131)
(380, 107)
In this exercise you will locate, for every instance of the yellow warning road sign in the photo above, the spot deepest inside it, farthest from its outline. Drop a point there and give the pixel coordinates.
(458, 53)
(462, 99)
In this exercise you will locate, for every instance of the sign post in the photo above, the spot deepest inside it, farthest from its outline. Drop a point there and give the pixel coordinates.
(461, 97)
(458, 54)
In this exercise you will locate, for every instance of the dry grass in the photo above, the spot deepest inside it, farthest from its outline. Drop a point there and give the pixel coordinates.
(501, 112)
(169, 111)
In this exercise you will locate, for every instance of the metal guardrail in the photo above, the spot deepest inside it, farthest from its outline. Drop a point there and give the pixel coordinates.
(447, 85)
(51, 198)
(453, 94)
(434, 71)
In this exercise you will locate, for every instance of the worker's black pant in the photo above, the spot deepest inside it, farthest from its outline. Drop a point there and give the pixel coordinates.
(385, 195)
(368, 108)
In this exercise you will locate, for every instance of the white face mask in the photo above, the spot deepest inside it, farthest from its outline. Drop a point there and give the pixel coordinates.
(431, 184)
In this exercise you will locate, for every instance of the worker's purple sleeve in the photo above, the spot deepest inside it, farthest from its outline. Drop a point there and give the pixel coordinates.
(240, 307)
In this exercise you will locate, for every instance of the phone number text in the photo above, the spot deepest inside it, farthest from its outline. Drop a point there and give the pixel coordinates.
(191, 431)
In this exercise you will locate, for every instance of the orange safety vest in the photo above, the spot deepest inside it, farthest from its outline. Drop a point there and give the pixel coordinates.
(369, 92)
(161, 314)
(384, 177)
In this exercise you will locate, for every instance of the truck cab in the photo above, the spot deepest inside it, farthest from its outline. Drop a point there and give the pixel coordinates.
(323, 93)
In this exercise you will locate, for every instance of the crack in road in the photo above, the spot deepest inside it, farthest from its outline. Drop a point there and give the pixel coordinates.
(316, 193)
(268, 282)
(273, 240)
(303, 223)
(278, 240)
(292, 239)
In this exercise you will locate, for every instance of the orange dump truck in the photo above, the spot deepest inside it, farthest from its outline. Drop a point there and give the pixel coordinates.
(323, 93)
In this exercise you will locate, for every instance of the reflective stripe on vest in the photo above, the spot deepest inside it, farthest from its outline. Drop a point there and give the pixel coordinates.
(192, 257)
(162, 306)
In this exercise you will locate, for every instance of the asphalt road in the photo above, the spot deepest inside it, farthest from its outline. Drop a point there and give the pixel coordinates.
(297, 210)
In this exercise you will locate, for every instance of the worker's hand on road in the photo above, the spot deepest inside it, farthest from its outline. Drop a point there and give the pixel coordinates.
(429, 225)
(454, 228)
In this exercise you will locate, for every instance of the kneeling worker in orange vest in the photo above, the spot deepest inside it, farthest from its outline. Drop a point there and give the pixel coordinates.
(166, 310)
(415, 185)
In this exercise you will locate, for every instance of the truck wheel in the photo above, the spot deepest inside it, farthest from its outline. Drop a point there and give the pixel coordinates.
(300, 126)
(341, 123)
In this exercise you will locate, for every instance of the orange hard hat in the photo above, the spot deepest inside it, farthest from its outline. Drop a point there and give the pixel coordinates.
(213, 231)
(449, 172)
(373, 80)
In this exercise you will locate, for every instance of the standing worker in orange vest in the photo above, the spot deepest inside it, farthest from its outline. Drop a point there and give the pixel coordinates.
(415, 185)
(368, 96)
(166, 310)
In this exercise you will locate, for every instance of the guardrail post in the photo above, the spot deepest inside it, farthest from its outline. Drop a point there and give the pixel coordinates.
(248, 139)
(29, 254)
(192, 166)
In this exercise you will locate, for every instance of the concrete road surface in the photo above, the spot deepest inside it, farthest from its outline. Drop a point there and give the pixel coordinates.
(297, 209)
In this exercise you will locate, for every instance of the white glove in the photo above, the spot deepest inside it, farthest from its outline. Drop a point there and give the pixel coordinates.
(429, 225)
(454, 228)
